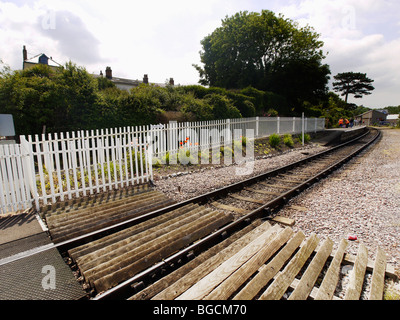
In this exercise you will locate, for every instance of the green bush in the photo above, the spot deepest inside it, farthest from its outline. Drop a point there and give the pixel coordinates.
(274, 140)
(185, 158)
(287, 140)
(307, 138)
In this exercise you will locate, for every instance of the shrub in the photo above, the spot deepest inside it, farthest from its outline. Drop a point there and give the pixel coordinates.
(226, 151)
(307, 138)
(244, 141)
(185, 158)
(287, 140)
(274, 140)
(237, 146)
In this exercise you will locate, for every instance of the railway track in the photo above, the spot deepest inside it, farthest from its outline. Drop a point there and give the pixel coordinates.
(140, 245)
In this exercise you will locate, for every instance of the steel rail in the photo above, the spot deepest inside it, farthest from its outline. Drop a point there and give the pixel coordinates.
(124, 289)
(68, 244)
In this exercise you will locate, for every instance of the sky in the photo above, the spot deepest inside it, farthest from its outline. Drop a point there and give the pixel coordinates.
(162, 38)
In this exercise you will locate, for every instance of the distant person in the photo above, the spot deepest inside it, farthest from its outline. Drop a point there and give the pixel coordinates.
(347, 122)
(340, 122)
(351, 123)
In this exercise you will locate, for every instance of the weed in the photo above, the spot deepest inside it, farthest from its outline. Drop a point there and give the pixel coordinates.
(274, 140)
(307, 138)
(287, 140)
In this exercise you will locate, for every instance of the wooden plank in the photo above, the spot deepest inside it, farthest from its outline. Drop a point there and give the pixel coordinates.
(267, 272)
(308, 279)
(171, 279)
(354, 288)
(263, 192)
(390, 271)
(378, 276)
(283, 220)
(143, 246)
(230, 208)
(157, 253)
(213, 279)
(194, 276)
(231, 284)
(328, 285)
(246, 199)
(293, 181)
(275, 185)
(127, 244)
(278, 287)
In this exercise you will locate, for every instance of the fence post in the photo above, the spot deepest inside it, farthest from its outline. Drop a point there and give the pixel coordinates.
(257, 126)
(149, 159)
(294, 125)
(302, 128)
(277, 124)
(28, 168)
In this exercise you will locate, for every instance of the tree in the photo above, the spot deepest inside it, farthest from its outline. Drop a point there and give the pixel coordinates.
(256, 49)
(352, 83)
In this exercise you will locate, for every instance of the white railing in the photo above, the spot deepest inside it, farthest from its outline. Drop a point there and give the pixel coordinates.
(49, 168)
(205, 134)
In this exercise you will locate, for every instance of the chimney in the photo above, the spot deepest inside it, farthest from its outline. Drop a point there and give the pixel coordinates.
(146, 79)
(108, 73)
(171, 81)
(24, 53)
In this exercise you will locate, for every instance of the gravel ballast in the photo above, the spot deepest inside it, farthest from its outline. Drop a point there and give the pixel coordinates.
(361, 199)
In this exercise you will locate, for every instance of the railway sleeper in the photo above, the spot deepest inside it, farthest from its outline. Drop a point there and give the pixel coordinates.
(142, 248)
(98, 201)
(90, 247)
(96, 225)
(159, 251)
(126, 245)
(180, 280)
(84, 214)
(114, 212)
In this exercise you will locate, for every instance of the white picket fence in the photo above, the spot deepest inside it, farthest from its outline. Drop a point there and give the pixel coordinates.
(46, 169)
(49, 168)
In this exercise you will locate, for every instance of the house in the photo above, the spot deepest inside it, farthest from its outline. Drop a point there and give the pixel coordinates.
(371, 117)
(43, 59)
(121, 83)
(392, 119)
(127, 84)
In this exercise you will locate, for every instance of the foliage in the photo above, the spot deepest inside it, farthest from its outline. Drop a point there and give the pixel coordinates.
(307, 138)
(274, 140)
(355, 83)
(267, 52)
(287, 140)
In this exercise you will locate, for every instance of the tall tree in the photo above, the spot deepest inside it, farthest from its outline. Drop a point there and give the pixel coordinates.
(355, 83)
(256, 49)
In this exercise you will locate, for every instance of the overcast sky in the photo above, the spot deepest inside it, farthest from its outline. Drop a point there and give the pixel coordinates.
(162, 38)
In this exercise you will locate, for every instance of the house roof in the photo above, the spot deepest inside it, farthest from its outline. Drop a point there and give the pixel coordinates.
(360, 115)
